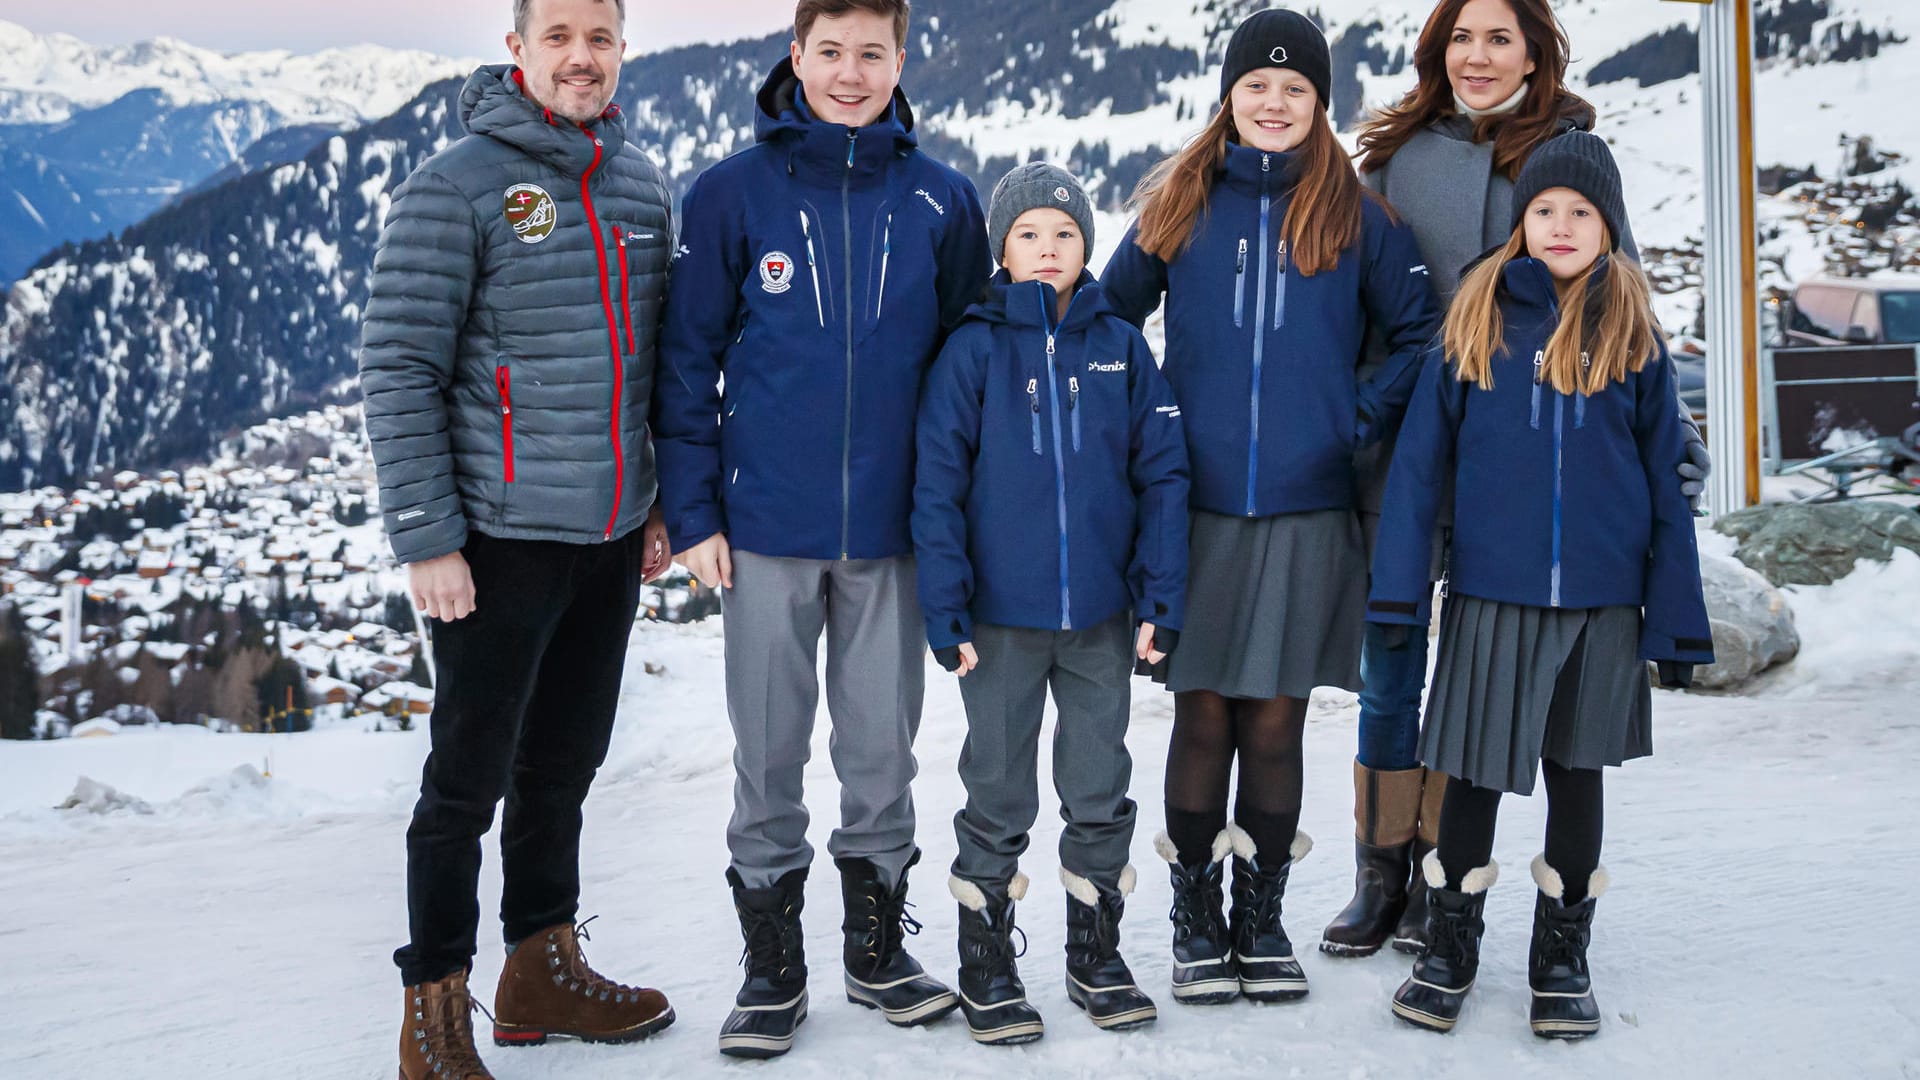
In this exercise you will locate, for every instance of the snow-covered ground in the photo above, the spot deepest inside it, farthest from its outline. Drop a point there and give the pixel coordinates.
(1764, 864)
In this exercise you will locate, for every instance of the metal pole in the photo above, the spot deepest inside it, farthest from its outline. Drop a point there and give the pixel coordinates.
(1731, 279)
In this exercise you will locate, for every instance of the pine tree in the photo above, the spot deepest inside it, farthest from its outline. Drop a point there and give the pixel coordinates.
(19, 682)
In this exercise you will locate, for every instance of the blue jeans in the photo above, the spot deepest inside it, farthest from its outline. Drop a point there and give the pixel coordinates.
(1390, 698)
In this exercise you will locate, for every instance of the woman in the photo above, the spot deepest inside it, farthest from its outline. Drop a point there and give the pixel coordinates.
(1275, 263)
(1492, 89)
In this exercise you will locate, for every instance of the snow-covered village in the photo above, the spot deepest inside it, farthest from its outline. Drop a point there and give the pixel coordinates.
(644, 604)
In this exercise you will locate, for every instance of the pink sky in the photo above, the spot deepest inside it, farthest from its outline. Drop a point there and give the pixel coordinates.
(472, 28)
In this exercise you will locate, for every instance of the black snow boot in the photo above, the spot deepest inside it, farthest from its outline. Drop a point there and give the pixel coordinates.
(991, 995)
(773, 1001)
(1563, 1005)
(1269, 971)
(1097, 978)
(1431, 997)
(1203, 968)
(880, 974)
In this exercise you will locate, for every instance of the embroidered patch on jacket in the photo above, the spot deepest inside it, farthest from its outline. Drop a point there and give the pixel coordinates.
(531, 212)
(776, 272)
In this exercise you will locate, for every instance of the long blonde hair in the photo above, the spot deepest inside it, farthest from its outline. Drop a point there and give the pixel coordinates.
(1621, 338)
(1323, 220)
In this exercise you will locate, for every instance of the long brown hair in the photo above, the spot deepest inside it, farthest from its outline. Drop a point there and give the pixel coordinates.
(1322, 221)
(1610, 324)
(1514, 135)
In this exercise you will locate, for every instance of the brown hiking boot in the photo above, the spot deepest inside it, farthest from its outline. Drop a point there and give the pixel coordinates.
(547, 989)
(436, 1041)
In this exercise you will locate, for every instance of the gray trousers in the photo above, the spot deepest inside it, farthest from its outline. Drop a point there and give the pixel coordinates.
(876, 676)
(1088, 672)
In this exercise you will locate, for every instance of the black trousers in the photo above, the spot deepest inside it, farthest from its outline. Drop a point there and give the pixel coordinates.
(528, 686)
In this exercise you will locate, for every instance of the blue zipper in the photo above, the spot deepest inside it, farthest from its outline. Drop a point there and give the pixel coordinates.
(1073, 408)
(1539, 375)
(1259, 340)
(1559, 457)
(1060, 462)
(1240, 284)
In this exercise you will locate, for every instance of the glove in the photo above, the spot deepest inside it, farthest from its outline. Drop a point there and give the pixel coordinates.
(1698, 465)
(949, 657)
(1673, 674)
(1164, 640)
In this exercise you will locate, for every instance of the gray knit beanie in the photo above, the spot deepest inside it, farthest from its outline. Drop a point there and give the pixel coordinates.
(1034, 185)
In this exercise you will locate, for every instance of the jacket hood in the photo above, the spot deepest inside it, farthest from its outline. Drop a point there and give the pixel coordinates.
(494, 103)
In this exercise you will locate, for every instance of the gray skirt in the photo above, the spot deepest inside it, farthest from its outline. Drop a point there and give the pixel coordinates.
(1275, 605)
(1514, 684)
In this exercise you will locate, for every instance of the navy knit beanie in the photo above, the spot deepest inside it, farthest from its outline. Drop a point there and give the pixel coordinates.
(1579, 160)
(1283, 39)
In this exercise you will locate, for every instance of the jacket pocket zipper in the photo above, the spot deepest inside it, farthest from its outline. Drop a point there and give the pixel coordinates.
(819, 309)
(1539, 372)
(503, 381)
(626, 292)
(886, 253)
(1240, 284)
(1073, 408)
(1280, 291)
(1033, 402)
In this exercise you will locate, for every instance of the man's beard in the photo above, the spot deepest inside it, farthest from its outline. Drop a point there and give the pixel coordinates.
(561, 92)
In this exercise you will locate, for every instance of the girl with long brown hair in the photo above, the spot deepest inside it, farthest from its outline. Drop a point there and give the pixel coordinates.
(1275, 264)
(1548, 411)
(1492, 88)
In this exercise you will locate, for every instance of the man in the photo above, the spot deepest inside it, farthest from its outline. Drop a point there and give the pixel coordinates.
(819, 271)
(507, 364)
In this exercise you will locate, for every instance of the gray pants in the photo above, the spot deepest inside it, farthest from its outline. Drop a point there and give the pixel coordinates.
(876, 676)
(1088, 671)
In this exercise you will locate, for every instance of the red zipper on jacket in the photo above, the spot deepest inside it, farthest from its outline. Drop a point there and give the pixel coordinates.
(626, 296)
(613, 329)
(503, 379)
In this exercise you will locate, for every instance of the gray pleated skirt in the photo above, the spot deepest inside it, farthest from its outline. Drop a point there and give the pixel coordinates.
(1514, 684)
(1275, 605)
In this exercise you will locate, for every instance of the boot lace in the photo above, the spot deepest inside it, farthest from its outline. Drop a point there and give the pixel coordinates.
(772, 940)
(445, 1033)
(1455, 935)
(1196, 903)
(579, 977)
(1564, 941)
(889, 924)
(995, 947)
(1262, 898)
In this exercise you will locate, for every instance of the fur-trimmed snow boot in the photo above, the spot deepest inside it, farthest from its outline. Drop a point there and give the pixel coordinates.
(1563, 1005)
(1098, 980)
(992, 997)
(1263, 955)
(1432, 996)
(1203, 967)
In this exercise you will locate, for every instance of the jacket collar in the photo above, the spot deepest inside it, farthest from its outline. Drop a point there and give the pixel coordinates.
(1259, 171)
(494, 103)
(783, 118)
(1030, 304)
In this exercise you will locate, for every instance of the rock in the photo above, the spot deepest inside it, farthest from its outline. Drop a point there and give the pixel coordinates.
(1818, 543)
(1752, 624)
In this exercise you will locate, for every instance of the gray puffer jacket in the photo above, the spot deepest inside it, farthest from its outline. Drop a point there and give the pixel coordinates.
(508, 349)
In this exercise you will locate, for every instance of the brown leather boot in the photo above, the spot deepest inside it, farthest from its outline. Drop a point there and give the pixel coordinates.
(548, 989)
(436, 1040)
(1386, 811)
(1411, 937)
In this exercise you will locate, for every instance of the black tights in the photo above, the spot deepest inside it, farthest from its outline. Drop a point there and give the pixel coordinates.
(1575, 812)
(1209, 731)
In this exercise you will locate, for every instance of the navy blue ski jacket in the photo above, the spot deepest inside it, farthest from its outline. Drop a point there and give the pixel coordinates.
(1052, 489)
(818, 272)
(1263, 358)
(1563, 501)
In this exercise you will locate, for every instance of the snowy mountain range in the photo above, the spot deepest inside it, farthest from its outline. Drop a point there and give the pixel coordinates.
(93, 139)
(242, 301)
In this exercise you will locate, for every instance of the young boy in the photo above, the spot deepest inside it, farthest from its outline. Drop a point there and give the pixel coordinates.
(819, 272)
(1049, 518)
